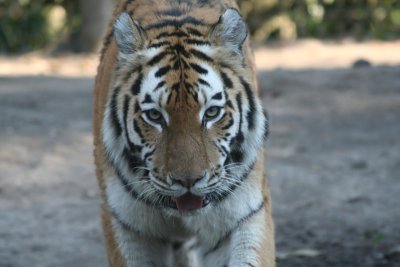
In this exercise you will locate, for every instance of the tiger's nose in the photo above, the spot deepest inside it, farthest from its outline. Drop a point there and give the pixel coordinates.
(187, 182)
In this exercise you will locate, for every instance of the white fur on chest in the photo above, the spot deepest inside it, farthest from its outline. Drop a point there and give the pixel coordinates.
(209, 225)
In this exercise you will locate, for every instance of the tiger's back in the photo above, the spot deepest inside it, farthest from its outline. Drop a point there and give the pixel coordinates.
(177, 134)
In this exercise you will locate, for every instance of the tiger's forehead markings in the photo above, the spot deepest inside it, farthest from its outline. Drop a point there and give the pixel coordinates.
(177, 23)
(203, 51)
(193, 31)
(149, 84)
(211, 77)
(173, 12)
(191, 63)
(178, 33)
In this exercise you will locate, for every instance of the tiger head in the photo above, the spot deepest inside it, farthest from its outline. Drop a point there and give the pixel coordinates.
(182, 126)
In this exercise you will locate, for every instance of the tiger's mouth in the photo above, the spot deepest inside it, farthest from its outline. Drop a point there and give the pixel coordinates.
(189, 202)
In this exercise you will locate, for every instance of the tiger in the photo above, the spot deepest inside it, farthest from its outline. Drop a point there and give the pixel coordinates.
(178, 138)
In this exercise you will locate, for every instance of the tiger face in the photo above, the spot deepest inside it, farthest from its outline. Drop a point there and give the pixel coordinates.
(182, 127)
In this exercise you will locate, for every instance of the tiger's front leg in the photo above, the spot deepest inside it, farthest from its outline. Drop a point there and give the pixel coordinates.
(252, 245)
(139, 251)
(244, 242)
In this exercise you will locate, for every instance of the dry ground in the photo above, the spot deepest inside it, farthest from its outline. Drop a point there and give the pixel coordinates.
(333, 157)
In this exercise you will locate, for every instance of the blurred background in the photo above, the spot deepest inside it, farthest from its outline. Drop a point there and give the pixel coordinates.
(27, 25)
(329, 76)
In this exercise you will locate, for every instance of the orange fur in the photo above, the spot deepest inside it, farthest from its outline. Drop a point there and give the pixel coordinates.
(142, 11)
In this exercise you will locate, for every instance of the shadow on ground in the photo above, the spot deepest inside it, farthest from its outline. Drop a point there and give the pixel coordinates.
(333, 160)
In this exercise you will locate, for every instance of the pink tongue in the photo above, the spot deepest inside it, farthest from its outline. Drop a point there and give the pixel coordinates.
(189, 202)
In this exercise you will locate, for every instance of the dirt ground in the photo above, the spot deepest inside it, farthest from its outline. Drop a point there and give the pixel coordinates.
(333, 157)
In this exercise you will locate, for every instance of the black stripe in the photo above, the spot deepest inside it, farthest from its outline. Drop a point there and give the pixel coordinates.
(205, 2)
(177, 245)
(165, 203)
(162, 71)
(137, 107)
(184, 63)
(204, 96)
(178, 34)
(227, 82)
(217, 96)
(198, 68)
(159, 44)
(132, 146)
(176, 86)
(225, 94)
(147, 99)
(135, 89)
(252, 106)
(127, 186)
(238, 224)
(224, 149)
(239, 138)
(156, 59)
(203, 82)
(124, 225)
(177, 65)
(188, 86)
(114, 112)
(132, 160)
(239, 103)
(196, 42)
(172, 34)
(230, 123)
(229, 104)
(148, 154)
(175, 23)
(130, 228)
(127, 100)
(195, 95)
(236, 155)
(266, 124)
(193, 31)
(159, 85)
(200, 55)
(169, 98)
(173, 12)
(180, 50)
(130, 190)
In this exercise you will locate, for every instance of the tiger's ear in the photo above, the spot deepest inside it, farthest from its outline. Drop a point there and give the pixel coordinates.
(230, 31)
(129, 35)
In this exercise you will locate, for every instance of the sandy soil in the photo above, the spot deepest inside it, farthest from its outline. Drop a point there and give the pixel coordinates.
(333, 157)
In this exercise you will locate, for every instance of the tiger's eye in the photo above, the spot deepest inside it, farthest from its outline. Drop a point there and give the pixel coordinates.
(212, 112)
(154, 115)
